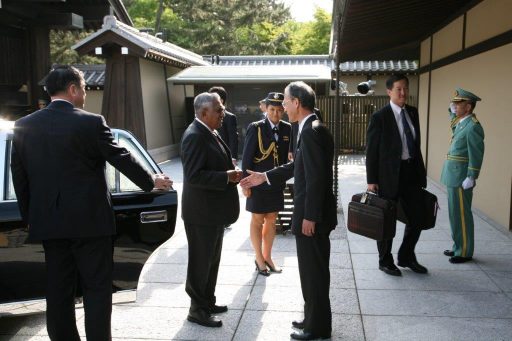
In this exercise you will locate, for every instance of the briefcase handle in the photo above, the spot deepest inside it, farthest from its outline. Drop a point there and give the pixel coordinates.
(366, 196)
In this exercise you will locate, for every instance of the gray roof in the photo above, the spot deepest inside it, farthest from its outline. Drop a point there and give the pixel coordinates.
(153, 48)
(349, 67)
(94, 75)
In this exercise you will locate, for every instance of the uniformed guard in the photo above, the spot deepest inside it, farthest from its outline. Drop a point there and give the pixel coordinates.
(266, 146)
(460, 171)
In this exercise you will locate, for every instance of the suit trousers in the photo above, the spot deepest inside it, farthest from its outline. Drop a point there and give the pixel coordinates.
(89, 259)
(313, 254)
(204, 251)
(408, 194)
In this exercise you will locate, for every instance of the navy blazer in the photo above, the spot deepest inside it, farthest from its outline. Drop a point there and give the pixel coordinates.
(208, 198)
(313, 177)
(384, 151)
(252, 148)
(58, 169)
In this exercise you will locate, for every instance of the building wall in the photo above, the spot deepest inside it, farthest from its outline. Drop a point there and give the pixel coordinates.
(93, 101)
(156, 109)
(488, 75)
(179, 114)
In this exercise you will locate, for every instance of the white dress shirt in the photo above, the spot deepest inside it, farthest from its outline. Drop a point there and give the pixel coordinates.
(396, 110)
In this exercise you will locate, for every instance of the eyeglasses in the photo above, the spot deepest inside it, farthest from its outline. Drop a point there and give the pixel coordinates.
(219, 110)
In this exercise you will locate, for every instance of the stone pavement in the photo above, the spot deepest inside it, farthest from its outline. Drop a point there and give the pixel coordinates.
(471, 301)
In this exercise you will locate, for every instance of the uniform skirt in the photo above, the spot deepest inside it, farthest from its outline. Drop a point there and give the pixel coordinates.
(265, 201)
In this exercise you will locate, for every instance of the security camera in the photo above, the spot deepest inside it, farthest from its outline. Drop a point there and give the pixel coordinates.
(365, 87)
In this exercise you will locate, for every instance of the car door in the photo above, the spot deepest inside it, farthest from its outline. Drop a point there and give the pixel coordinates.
(144, 221)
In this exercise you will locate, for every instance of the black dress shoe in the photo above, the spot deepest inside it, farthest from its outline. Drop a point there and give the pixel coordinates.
(272, 269)
(414, 266)
(449, 253)
(459, 259)
(263, 272)
(218, 309)
(390, 269)
(203, 318)
(298, 324)
(308, 336)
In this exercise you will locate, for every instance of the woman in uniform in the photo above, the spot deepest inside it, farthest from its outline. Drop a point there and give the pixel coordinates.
(266, 146)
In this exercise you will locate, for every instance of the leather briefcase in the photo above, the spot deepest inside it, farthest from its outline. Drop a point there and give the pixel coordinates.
(371, 216)
(422, 214)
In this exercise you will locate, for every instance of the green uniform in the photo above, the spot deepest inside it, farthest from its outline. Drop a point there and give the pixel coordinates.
(464, 159)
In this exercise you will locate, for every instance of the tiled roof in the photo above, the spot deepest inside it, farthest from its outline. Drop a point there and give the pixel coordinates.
(356, 67)
(269, 60)
(94, 75)
(379, 66)
(154, 48)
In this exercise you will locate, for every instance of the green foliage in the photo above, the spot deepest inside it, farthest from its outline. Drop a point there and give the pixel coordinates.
(219, 27)
(312, 37)
(60, 48)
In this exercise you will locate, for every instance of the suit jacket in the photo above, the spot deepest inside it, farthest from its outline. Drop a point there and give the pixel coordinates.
(229, 133)
(466, 153)
(208, 198)
(252, 150)
(313, 175)
(384, 151)
(58, 168)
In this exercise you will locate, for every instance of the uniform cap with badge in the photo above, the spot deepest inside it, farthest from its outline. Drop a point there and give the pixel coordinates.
(464, 95)
(274, 98)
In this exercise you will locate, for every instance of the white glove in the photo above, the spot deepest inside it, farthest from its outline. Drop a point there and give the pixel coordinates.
(468, 183)
(452, 108)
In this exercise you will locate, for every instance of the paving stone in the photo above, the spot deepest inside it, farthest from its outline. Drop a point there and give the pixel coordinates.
(435, 303)
(503, 279)
(435, 280)
(398, 328)
(494, 262)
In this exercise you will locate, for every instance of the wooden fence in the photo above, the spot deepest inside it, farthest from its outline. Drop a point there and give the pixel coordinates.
(353, 120)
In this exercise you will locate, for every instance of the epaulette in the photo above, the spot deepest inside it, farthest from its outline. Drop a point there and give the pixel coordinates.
(475, 120)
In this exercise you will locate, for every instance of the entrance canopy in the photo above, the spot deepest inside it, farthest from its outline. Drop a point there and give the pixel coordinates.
(252, 74)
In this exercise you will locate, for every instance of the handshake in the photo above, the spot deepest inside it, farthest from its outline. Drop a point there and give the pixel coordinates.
(162, 182)
(235, 175)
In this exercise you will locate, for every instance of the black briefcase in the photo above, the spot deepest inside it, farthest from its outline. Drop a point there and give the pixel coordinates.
(422, 214)
(371, 216)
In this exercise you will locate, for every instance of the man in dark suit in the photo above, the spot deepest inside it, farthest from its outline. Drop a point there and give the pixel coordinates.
(395, 168)
(209, 202)
(228, 131)
(314, 212)
(58, 169)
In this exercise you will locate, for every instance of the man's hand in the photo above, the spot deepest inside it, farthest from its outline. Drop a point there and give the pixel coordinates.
(234, 175)
(246, 192)
(468, 183)
(374, 188)
(308, 227)
(254, 179)
(162, 182)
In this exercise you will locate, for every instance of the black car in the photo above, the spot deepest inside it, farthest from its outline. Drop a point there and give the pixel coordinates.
(144, 221)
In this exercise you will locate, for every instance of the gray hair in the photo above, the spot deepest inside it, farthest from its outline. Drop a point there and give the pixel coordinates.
(303, 93)
(204, 100)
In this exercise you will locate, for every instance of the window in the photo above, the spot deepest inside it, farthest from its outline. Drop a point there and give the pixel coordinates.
(125, 184)
(9, 190)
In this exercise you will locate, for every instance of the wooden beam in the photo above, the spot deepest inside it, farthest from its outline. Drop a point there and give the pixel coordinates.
(62, 20)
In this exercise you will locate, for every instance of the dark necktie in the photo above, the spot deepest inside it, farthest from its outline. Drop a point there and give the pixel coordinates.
(408, 134)
(219, 141)
(275, 130)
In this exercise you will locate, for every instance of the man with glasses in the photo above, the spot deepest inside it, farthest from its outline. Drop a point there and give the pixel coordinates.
(314, 212)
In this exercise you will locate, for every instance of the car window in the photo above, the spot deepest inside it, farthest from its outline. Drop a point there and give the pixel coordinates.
(125, 185)
(9, 191)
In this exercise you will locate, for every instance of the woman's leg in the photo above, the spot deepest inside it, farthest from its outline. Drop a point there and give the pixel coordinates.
(269, 233)
(256, 228)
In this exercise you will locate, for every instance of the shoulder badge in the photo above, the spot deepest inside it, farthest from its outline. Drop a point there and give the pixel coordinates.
(475, 120)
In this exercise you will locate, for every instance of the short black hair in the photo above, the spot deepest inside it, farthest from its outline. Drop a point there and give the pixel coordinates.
(395, 78)
(221, 91)
(60, 77)
(303, 93)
